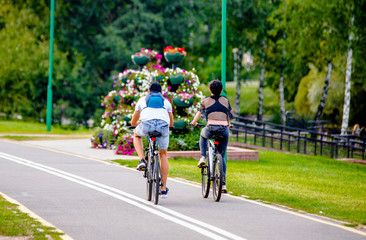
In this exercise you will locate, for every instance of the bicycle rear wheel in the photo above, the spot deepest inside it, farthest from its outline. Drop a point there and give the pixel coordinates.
(218, 177)
(156, 180)
(149, 175)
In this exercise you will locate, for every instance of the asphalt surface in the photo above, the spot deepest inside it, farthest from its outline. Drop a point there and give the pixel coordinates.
(88, 198)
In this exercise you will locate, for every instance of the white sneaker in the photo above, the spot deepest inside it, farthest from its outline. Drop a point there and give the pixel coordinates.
(223, 189)
(164, 193)
(202, 162)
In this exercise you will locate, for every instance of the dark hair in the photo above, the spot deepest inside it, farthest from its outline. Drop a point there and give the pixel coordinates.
(216, 87)
(155, 87)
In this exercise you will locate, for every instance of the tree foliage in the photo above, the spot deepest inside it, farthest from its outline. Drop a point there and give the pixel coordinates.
(94, 40)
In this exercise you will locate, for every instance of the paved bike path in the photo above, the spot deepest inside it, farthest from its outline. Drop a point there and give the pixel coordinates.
(93, 200)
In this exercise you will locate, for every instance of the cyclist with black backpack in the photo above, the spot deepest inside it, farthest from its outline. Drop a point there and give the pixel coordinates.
(155, 113)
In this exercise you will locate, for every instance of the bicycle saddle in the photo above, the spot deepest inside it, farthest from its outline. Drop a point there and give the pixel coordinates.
(154, 134)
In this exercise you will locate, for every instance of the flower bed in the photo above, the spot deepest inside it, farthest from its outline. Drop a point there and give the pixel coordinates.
(130, 85)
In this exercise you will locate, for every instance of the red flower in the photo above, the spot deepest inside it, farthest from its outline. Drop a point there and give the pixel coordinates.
(168, 48)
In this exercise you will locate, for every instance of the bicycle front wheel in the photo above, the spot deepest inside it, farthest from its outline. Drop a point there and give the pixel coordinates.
(206, 177)
(218, 177)
(205, 172)
(156, 180)
(149, 175)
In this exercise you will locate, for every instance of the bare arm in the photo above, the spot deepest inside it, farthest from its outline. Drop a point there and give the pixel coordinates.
(196, 118)
(171, 119)
(135, 118)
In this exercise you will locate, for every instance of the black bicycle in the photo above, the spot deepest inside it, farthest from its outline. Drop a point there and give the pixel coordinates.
(152, 171)
(214, 169)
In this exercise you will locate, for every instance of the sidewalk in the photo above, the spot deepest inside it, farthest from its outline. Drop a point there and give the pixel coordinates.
(82, 147)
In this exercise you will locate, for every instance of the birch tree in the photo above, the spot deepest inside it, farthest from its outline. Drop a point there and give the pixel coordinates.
(261, 84)
(325, 93)
(347, 88)
(237, 81)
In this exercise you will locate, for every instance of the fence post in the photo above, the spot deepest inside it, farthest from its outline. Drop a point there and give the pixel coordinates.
(281, 138)
(315, 142)
(331, 149)
(305, 140)
(347, 147)
(272, 139)
(245, 132)
(264, 136)
(255, 138)
(321, 144)
(298, 141)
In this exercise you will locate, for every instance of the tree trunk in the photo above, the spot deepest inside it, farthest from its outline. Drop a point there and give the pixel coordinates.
(261, 85)
(238, 84)
(281, 88)
(325, 93)
(282, 99)
(347, 88)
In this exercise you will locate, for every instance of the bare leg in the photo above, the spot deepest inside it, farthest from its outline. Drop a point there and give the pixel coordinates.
(164, 167)
(137, 141)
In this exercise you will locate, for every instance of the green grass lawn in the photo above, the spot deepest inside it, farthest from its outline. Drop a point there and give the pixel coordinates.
(314, 184)
(13, 222)
(11, 126)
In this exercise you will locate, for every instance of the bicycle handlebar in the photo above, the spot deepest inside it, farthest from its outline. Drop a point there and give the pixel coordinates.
(198, 125)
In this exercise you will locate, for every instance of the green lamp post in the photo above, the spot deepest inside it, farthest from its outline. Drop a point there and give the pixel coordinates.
(49, 86)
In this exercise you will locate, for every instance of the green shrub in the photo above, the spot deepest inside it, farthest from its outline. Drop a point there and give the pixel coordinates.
(187, 140)
(103, 138)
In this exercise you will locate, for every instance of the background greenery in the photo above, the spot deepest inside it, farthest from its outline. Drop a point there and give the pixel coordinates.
(94, 40)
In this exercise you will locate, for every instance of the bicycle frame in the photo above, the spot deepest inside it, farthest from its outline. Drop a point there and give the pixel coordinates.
(211, 155)
(212, 151)
(153, 171)
(152, 145)
(214, 172)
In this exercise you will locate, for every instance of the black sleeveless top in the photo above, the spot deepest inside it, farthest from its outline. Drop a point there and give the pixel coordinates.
(215, 108)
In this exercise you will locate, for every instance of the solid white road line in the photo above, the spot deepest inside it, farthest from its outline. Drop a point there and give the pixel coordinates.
(131, 199)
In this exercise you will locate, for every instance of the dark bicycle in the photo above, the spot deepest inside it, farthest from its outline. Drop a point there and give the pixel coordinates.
(213, 171)
(152, 171)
